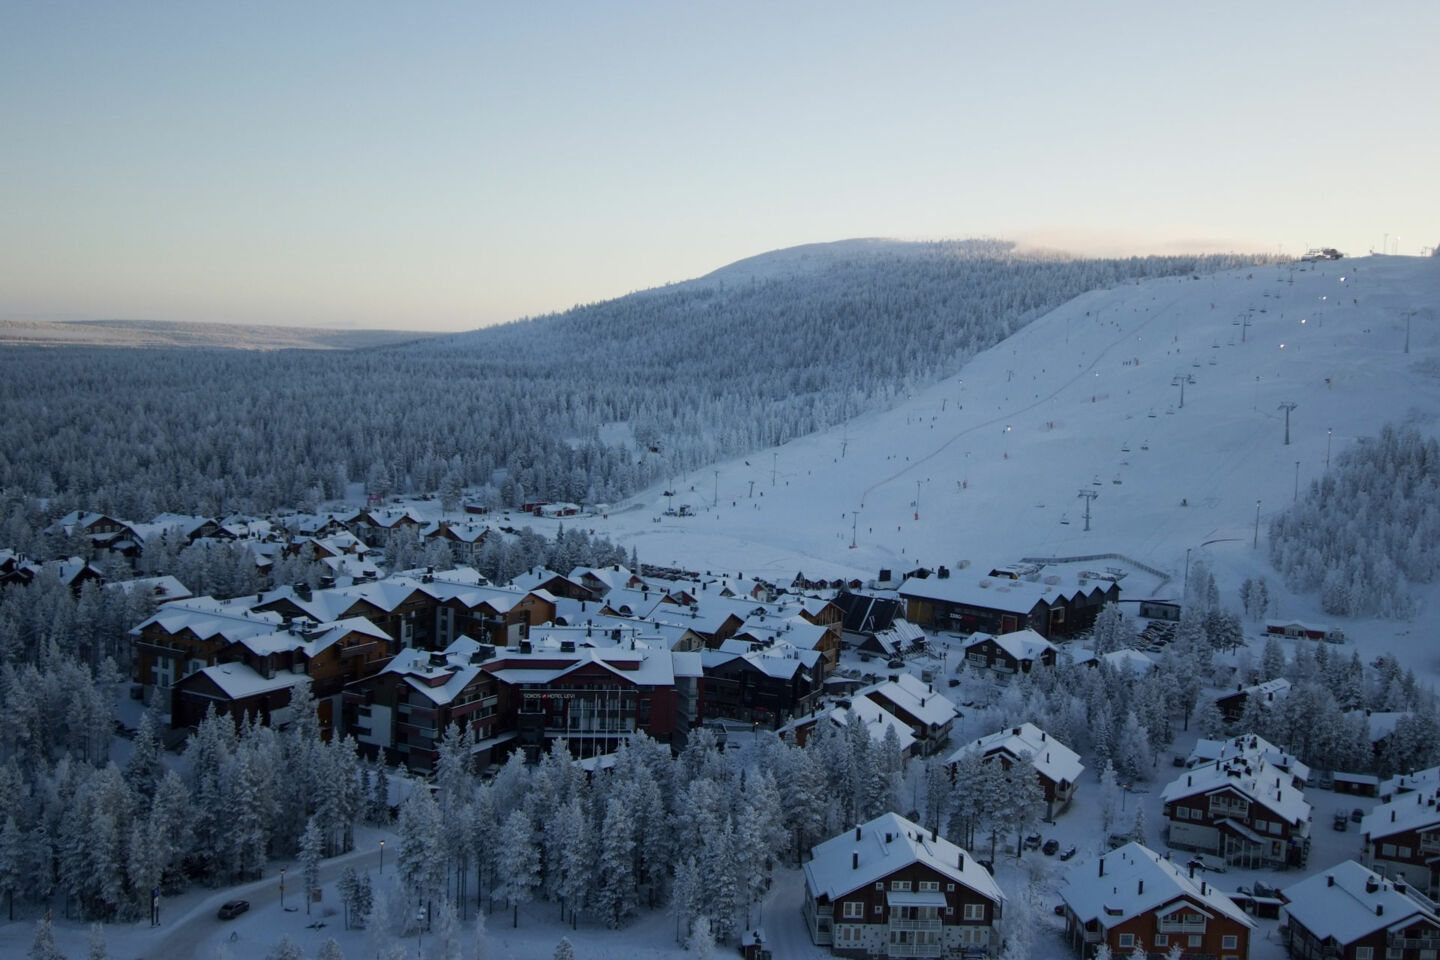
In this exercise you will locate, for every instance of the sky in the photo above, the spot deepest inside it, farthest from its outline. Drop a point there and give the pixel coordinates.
(443, 166)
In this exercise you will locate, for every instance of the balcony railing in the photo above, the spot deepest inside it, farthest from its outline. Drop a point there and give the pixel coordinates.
(1179, 926)
(1412, 943)
(913, 949)
(899, 924)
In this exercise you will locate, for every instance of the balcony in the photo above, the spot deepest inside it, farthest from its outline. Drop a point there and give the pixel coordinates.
(897, 924)
(1430, 843)
(913, 950)
(1396, 942)
(1178, 926)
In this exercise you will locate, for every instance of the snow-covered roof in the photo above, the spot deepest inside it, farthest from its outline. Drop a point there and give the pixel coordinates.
(874, 850)
(1001, 593)
(1268, 691)
(914, 696)
(207, 617)
(1135, 880)
(239, 681)
(314, 640)
(1131, 661)
(1020, 644)
(1270, 787)
(877, 721)
(1408, 782)
(1053, 760)
(1348, 902)
(1247, 746)
(164, 589)
(1416, 810)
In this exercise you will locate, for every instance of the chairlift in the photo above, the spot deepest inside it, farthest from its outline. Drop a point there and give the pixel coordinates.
(1064, 519)
(1169, 411)
(1212, 361)
(1117, 479)
(1152, 412)
(1096, 482)
(1125, 447)
(1144, 444)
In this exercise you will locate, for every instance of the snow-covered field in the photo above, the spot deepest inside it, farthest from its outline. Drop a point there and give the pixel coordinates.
(987, 467)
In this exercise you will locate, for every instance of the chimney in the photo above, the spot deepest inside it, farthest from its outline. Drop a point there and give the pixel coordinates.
(854, 859)
(1192, 871)
(1042, 736)
(1204, 889)
(857, 831)
(1189, 780)
(1102, 866)
(961, 861)
(1379, 909)
(1329, 880)
(1140, 888)
(1015, 731)
(889, 836)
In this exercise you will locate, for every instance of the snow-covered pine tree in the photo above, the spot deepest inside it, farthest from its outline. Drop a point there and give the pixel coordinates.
(517, 870)
(311, 850)
(615, 899)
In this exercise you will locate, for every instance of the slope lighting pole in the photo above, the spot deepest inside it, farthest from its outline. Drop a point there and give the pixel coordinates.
(1179, 381)
(1329, 432)
(1297, 482)
(1256, 544)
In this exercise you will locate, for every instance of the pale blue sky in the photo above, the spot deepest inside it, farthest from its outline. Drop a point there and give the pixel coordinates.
(443, 166)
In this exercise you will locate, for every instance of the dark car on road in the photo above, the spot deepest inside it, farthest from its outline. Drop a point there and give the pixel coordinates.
(1052, 846)
(231, 909)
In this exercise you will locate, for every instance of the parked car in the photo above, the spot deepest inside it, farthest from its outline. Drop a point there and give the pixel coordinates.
(1357, 815)
(1265, 890)
(1059, 909)
(896, 664)
(1052, 847)
(1206, 863)
(1068, 854)
(1032, 842)
(231, 909)
(1342, 822)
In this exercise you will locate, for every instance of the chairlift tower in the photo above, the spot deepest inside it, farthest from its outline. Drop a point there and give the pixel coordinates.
(1179, 380)
(1287, 406)
(1089, 496)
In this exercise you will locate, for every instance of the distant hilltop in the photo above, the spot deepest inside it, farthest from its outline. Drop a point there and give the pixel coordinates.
(159, 333)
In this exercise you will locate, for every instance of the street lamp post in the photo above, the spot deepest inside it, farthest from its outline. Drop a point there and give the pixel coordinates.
(282, 888)
(1297, 482)
(1329, 432)
(382, 856)
(1256, 544)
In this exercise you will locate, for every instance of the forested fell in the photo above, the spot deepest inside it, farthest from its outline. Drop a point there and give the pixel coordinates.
(1366, 530)
(699, 371)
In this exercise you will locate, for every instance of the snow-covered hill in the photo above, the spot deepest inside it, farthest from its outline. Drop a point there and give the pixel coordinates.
(160, 333)
(1089, 398)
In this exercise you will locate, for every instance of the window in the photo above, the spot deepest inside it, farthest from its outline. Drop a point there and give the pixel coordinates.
(879, 884)
(1276, 827)
(974, 911)
(928, 886)
(1229, 942)
(949, 888)
(1162, 939)
(852, 909)
(1387, 849)
(877, 909)
(1127, 940)
(1197, 939)
(949, 911)
(1364, 953)
(1403, 852)
(901, 885)
(1182, 813)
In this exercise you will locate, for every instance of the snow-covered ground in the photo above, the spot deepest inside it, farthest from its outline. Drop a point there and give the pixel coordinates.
(988, 467)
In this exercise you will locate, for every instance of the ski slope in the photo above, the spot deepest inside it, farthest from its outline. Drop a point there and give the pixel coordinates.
(1087, 399)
